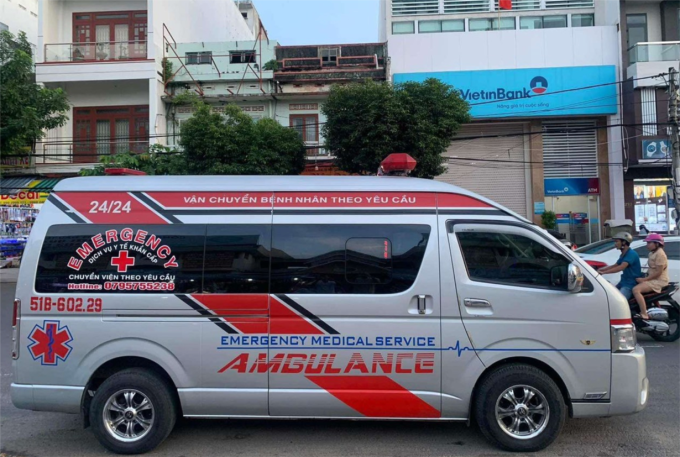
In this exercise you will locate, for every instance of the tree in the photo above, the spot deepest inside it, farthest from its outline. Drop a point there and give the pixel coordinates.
(219, 144)
(234, 144)
(367, 121)
(28, 110)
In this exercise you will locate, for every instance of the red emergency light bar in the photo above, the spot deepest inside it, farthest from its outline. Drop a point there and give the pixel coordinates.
(123, 172)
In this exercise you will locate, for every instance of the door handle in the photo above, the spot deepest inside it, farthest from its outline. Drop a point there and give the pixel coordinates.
(476, 303)
(421, 304)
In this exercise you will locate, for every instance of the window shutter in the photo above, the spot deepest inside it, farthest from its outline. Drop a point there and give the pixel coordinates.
(570, 149)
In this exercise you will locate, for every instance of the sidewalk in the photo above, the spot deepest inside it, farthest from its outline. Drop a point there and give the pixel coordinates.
(8, 275)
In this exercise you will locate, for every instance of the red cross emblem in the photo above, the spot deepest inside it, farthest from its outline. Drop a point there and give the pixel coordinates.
(123, 261)
(49, 342)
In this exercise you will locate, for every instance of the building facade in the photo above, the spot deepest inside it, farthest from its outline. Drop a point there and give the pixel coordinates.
(20, 16)
(109, 58)
(541, 81)
(285, 83)
(651, 45)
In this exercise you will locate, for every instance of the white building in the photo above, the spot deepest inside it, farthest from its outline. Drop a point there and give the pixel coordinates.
(20, 16)
(522, 71)
(108, 58)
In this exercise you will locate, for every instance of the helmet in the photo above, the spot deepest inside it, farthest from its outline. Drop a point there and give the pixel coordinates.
(655, 238)
(623, 236)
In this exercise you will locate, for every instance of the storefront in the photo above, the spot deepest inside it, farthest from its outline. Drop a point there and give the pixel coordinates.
(576, 204)
(653, 206)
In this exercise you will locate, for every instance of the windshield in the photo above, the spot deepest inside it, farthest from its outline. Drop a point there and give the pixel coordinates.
(596, 248)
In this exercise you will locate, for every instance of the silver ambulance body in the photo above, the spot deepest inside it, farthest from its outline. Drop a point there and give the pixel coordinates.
(144, 298)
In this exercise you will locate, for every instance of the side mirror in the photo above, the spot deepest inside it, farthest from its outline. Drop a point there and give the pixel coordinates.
(574, 278)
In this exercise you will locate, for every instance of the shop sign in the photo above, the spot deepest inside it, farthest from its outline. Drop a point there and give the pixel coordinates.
(539, 207)
(576, 218)
(15, 162)
(531, 92)
(654, 150)
(571, 186)
(23, 198)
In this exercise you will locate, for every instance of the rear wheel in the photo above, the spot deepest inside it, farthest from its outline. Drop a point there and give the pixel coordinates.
(520, 408)
(133, 411)
(673, 322)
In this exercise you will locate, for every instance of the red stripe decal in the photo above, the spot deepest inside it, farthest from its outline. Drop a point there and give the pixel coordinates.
(459, 201)
(375, 396)
(284, 321)
(355, 200)
(621, 321)
(215, 200)
(234, 302)
(111, 208)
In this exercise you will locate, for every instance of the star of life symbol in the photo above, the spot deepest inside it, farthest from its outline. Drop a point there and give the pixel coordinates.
(49, 342)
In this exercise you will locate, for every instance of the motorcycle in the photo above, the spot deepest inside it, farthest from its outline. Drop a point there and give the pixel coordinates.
(664, 318)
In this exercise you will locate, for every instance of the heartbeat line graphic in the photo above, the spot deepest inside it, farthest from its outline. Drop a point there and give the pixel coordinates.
(458, 348)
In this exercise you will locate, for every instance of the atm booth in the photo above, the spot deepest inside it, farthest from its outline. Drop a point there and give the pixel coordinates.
(576, 203)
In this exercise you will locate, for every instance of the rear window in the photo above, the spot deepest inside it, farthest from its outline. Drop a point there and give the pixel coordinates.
(121, 259)
(596, 248)
(178, 259)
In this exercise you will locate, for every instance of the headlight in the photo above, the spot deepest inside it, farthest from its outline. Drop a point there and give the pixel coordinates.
(623, 338)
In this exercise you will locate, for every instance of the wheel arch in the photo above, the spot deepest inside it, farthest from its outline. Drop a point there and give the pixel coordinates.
(550, 371)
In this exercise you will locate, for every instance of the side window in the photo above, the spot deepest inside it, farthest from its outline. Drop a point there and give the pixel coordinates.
(237, 259)
(346, 259)
(512, 259)
(642, 251)
(673, 251)
(121, 259)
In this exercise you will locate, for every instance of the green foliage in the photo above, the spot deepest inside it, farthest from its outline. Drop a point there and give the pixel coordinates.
(167, 69)
(272, 65)
(27, 110)
(217, 144)
(367, 121)
(234, 144)
(549, 220)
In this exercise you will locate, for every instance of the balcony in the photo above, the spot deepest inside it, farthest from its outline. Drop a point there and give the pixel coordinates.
(650, 59)
(96, 52)
(86, 152)
(314, 151)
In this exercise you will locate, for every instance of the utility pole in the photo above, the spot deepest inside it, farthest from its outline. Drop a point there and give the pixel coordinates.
(673, 103)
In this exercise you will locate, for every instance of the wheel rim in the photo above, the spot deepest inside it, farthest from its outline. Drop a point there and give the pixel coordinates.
(673, 323)
(128, 415)
(522, 412)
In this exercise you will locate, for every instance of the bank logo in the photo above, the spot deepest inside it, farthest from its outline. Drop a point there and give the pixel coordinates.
(539, 85)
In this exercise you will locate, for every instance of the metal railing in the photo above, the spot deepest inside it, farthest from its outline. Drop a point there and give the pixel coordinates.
(661, 51)
(315, 63)
(313, 150)
(94, 52)
(64, 153)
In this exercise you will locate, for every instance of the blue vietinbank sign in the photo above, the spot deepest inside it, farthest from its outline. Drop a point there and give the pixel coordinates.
(531, 91)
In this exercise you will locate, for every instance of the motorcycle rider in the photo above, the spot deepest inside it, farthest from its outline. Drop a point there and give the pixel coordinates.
(657, 277)
(628, 263)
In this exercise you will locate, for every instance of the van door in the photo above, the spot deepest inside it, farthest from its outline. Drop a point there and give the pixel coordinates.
(355, 312)
(513, 297)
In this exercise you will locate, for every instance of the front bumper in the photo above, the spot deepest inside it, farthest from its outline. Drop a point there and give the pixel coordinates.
(61, 399)
(629, 387)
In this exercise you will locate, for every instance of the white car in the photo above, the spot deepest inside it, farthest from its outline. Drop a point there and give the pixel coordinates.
(602, 253)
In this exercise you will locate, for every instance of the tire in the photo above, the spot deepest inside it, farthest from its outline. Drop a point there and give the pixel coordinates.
(673, 320)
(111, 399)
(489, 397)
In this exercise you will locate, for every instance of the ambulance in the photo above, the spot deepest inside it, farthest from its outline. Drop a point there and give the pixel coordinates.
(142, 299)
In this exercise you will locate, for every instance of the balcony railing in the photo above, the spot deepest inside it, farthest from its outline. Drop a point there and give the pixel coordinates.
(313, 150)
(65, 153)
(95, 52)
(662, 51)
(316, 63)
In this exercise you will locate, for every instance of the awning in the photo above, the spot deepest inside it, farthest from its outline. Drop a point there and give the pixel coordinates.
(12, 186)
(44, 185)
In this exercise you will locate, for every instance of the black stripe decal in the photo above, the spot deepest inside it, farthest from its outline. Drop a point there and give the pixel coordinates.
(472, 212)
(290, 302)
(65, 209)
(218, 212)
(154, 206)
(205, 312)
(350, 212)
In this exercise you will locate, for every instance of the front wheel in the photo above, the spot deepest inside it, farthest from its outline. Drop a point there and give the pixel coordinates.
(132, 412)
(673, 333)
(520, 408)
